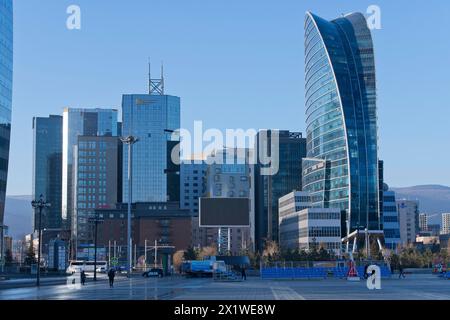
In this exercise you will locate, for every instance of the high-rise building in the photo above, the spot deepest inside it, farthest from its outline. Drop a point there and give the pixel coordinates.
(229, 175)
(192, 187)
(391, 225)
(269, 188)
(151, 118)
(445, 223)
(341, 169)
(408, 213)
(423, 222)
(81, 122)
(97, 178)
(6, 81)
(47, 168)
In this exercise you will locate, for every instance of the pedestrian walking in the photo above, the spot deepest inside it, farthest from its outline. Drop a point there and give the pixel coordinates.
(365, 271)
(83, 277)
(243, 274)
(401, 272)
(111, 275)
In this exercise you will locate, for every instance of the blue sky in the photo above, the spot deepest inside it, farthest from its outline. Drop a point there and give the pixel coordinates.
(235, 64)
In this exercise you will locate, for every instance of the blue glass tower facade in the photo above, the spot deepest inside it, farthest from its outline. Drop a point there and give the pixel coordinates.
(6, 77)
(391, 224)
(268, 189)
(341, 169)
(47, 168)
(151, 118)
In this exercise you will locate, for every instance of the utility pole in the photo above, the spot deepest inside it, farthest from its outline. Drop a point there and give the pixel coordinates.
(39, 204)
(156, 252)
(145, 254)
(130, 141)
(95, 221)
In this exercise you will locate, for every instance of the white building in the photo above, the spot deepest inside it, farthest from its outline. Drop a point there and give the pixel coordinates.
(445, 223)
(423, 222)
(302, 227)
(408, 213)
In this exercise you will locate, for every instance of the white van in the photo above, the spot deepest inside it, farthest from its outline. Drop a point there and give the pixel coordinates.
(87, 266)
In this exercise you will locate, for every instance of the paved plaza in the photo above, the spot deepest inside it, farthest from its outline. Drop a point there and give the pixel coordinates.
(414, 287)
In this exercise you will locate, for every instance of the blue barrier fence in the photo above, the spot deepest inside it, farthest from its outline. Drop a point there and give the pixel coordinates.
(314, 272)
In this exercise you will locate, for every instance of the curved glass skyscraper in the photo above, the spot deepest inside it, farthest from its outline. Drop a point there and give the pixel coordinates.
(6, 71)
(341, 169)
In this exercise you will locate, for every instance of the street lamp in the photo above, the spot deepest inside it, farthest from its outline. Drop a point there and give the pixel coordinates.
(130, 141)
(95, 221)
(39, 204)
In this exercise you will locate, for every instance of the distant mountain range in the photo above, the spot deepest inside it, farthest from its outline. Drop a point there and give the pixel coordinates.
(433, 199)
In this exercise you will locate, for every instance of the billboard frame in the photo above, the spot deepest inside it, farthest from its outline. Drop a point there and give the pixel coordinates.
(225, 225)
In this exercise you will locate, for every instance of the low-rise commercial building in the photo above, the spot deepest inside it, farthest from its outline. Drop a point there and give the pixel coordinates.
(305, 228)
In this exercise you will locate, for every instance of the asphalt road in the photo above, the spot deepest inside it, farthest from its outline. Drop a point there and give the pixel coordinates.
(414, 287)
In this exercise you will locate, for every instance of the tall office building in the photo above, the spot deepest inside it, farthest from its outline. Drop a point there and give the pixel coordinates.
(192, 187)
(151, 118)
(408, 213)
(6, 79)
(341, 169)
(80, 122)
(97, 178)
(47, 168)
(268, 189)
(423, 222)
(230, 175)
(445, 223)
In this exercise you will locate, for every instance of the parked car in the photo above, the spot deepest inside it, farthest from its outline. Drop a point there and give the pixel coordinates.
(102, 269)
(154, 272)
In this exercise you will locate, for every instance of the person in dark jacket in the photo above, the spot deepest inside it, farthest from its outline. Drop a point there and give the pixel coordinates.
(365, 271)
(243, 274)
(83, 277)
(401, 272)
(111, 275)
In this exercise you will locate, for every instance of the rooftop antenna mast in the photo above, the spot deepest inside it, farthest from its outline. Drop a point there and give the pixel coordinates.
(156, 86)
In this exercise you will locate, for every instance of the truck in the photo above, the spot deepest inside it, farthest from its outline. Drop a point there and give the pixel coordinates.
(201, 268)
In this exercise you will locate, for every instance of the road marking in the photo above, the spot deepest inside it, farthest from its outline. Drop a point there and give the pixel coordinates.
(281, 293)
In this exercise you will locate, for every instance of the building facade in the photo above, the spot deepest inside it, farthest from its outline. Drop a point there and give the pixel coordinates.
(47, 169)
(80, 122)
(341, 169)
(164, 222)
(423, 222)
(306, 228)
(6, 82)
(408, 213)
(97, 181)
(229, 175)
(192, 187)
(445, 223)
(391, 224)
(151, 118)
(269, 188)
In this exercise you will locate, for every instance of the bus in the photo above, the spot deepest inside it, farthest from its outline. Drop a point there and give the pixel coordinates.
(88, 266)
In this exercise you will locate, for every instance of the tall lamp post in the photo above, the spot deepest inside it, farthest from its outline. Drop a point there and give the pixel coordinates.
(130, 141)
(39, 204)
(95, 221)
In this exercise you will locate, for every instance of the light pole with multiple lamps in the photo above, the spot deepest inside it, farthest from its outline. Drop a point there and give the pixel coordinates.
(39, 204)
(130, 141)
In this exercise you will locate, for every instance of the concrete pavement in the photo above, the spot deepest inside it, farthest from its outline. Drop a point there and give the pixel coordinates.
(414, 287)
